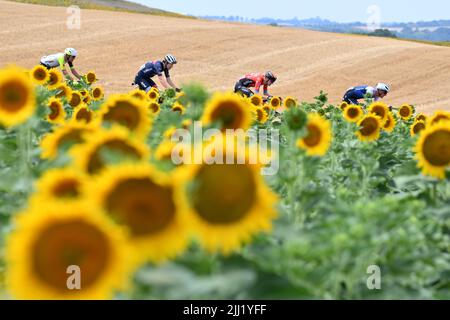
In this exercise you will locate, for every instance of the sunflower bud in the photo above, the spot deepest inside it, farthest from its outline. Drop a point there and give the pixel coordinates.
(296, 118)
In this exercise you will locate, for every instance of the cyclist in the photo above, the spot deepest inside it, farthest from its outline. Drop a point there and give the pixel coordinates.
(60, 60)
(255, 80)
(156, 68)
(360, 92)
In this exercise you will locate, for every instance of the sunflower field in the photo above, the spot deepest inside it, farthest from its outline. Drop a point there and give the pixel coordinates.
(88, 181)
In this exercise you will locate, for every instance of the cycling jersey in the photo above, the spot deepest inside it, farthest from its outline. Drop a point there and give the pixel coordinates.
(354, 94)
(55, 60)
(151, 69)
(255, 80)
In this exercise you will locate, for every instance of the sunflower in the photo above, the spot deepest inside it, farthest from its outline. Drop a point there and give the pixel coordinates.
(422, 117)
(128, 112)
(290, 102)
(76, 99)
(83, 114)
(433, 149)
(185, 124)
(91, 77)
(353, 113)
(147, 203)
(154, 107)
(370, 126)
(55, 79)
(344, 105)
(83, 93)
(381, 110)
(97, 93)
(64, 91)
(153, 94)
(223, 221)
(138, 94)
(275, 102)
(267, 109)
(231, 111)
(318, 138)
(178, 107)
(405, 112)
(439, 116)
(50, 239)
(164, 150)
(417, 127)
(39, 75)
(169, 132)
(64, 136)
(17, 97)
(256, 100)
(260, 115)
(106, 146)
(87, 99)
(390, 123)
(57, 113)
(60, 185)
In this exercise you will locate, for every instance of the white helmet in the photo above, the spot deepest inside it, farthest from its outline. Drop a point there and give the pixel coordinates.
(71, 52)
(170, 59)
(383, 87)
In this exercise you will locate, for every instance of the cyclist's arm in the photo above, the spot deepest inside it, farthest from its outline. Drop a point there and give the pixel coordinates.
(163, 82)
(266, 90)
(74, 72)
(62, 65)
(170, 82)
(258, 84)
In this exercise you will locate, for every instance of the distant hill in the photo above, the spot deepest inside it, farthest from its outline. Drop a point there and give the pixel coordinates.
(115, 5)
(438, 30)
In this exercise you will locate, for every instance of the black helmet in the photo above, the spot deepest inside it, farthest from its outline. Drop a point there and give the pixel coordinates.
(271, 76)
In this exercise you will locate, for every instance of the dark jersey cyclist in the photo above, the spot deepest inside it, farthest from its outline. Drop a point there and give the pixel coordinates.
(255, 80)
(360, 92)
(156, 68)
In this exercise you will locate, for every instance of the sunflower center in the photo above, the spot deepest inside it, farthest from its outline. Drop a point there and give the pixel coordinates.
(72, 137)
(439, 118)
(379, 112)
(84, 114)
(120, 147)
(154, 107)
(369, 126)
(54, 108)
(53, 78)
(97, 93)
(418, 127)
(229, 113)
(13, 96)
(404, 112)
(256, 101)
(39, 74)
(75, 100)
(90, 77)
(68, 243)
(145, 207)
(436, 148)
(352, 112)
(224, 194)
(313, 137)
(125, 114)
(67, 188)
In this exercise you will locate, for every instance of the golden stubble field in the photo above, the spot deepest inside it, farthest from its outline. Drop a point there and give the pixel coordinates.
(115, 44)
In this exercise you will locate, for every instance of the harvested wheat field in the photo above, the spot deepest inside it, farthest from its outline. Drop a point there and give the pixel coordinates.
(115, 44)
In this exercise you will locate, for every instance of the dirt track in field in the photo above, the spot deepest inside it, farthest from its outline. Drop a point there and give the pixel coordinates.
(115, 44)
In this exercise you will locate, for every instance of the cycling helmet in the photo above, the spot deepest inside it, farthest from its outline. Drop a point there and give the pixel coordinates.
(71, 52)
(271, 76)
(170, 59)
(383, 87)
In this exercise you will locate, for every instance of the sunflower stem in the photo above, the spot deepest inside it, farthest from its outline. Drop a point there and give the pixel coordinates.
(24, 144)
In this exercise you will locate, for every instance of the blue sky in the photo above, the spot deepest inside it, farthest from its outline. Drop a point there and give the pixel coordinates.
(336, 10)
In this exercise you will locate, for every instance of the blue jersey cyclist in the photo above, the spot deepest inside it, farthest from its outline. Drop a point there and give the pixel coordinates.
(361, 92)
(156, 68)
